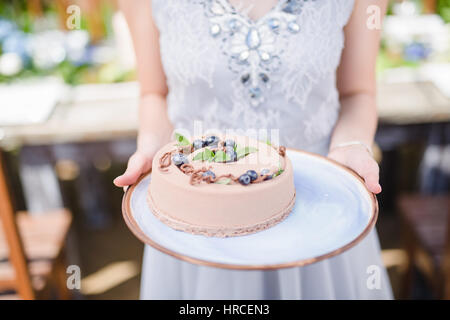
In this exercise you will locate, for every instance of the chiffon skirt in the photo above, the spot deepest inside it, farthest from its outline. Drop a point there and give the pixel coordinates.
(355, 274)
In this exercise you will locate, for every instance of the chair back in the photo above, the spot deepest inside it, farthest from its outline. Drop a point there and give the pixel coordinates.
(22, 280)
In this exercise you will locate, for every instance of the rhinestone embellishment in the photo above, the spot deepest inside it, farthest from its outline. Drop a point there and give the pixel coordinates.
(215, 30)
(252, 40)
(252, 47)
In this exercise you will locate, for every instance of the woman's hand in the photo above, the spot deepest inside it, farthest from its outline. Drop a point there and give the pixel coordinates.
(356, 83)
(141, 161)
(138, 164)
(358, 159)
(154, 125)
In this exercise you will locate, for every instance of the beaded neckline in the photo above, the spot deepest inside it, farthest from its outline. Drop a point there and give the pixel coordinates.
(253, 47)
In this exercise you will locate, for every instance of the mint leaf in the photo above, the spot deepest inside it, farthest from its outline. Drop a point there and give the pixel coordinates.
(182, 141)
(205, 155)
(223, 181)
(221, 156)
(198, 156)
(280, 171)
(208, 154)
(242, 152)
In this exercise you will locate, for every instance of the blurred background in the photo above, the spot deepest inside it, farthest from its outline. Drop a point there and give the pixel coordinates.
(68, 119)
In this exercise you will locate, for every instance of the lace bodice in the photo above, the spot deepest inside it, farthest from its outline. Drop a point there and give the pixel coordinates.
(231, 72)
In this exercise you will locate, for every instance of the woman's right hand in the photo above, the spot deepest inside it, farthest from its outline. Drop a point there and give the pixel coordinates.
(155, 127)
(138, 164)
(141, 161)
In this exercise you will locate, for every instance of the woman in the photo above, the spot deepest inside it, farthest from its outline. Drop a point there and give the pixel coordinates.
(303, 67)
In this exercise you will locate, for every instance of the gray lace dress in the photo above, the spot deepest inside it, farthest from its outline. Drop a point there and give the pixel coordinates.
(278, 73)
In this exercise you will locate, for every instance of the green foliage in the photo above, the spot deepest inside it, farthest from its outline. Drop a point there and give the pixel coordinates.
(443, 9)
(221, 156)
(242, 152)
(17, 11)
(205, 155)
(280, 171)
(181, 140)
(386, 61)
(224, 181)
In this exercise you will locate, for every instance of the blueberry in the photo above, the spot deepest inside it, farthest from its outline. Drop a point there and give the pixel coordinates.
(231, 153)
(212, 141)
(266, 172)
(229, 143)
(229, 149)
(209, 173)
(198, 144)
(252, 174)
(245, 179)
(233, 157)
(179, 159)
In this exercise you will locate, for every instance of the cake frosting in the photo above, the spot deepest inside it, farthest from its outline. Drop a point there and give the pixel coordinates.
(221, 186)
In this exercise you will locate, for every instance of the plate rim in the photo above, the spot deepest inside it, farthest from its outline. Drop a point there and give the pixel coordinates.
(137, 231)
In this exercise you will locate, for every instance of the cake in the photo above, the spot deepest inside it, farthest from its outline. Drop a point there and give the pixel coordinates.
(221, 186)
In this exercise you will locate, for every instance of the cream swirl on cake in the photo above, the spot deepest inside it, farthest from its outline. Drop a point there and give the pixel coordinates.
(221, 186)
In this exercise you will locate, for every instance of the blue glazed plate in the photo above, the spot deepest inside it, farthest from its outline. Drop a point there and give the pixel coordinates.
(332, 213)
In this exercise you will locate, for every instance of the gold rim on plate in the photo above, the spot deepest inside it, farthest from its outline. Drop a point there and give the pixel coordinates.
(136, 230)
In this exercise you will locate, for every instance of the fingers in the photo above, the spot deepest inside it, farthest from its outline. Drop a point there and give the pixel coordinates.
(362, 163)
(137, 165)
(372, 183)
(371, 178)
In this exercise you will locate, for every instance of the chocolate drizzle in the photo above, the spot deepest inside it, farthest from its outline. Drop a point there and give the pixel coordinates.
(196, 175)
(282, 151)
(261, 178)
(165, 161)
(187, 168)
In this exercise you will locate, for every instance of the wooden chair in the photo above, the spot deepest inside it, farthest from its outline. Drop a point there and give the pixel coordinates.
(429, 6)
(426, 236)
(31, 250)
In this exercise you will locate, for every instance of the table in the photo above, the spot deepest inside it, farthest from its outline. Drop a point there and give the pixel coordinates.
(93, 112)
(109, 111)
(411, 113)
(90, 122)
(92, 118)
(412, 103)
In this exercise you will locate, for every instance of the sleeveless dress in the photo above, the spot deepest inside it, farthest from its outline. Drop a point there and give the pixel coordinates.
(226, 71)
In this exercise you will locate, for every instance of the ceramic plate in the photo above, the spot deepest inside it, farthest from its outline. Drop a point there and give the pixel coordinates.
(332, 213)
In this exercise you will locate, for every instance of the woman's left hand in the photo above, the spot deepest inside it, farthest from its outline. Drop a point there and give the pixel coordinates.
(358, 159)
